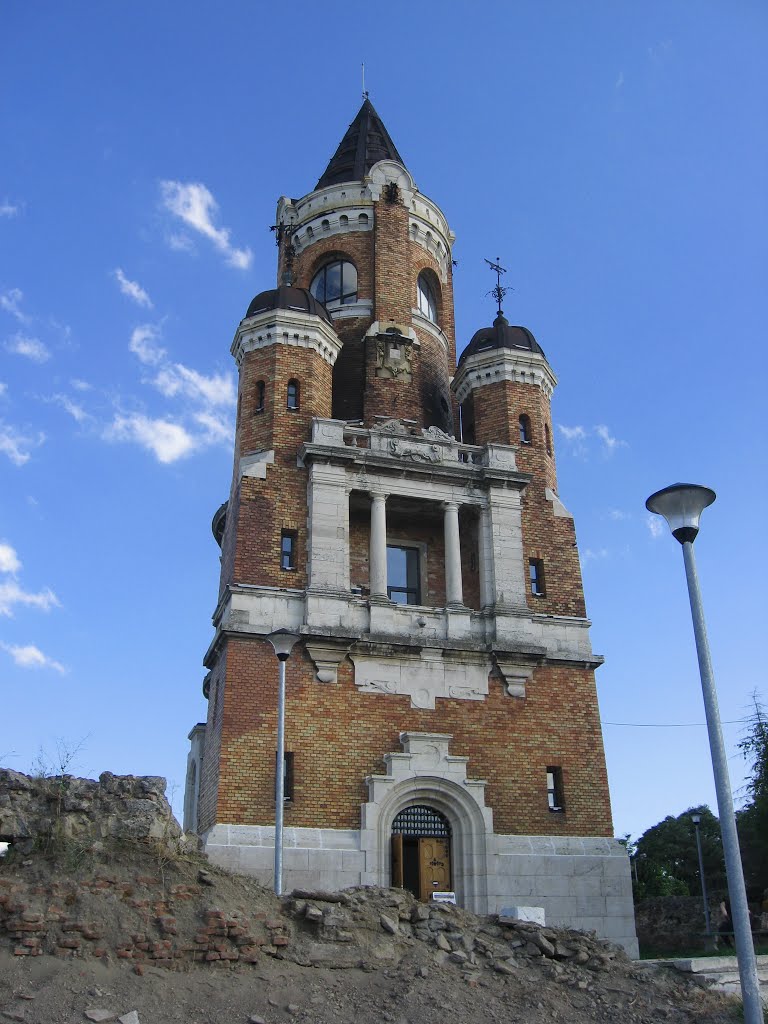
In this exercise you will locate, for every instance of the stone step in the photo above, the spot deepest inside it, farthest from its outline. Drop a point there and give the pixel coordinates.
(722, 973)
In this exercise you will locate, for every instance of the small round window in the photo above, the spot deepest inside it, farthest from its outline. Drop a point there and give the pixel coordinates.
(427, 299)
(335, 284)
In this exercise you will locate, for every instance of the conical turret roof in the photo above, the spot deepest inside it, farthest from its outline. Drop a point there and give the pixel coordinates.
(365, 143)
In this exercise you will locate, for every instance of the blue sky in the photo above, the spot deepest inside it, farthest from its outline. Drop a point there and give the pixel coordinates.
(612, 154)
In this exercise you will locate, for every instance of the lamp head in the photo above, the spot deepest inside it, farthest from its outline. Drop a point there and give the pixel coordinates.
(282, 641)
(696, 819)
(681, 505)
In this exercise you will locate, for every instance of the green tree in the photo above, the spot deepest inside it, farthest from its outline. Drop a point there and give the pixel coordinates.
(752, 820)
(667, 858)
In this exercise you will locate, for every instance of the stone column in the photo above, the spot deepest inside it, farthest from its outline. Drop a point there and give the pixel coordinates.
(485, 558)
(378, 547)
(453, 589)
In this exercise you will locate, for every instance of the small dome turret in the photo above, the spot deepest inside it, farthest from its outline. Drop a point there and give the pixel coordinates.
(501, 335)
(301, 300)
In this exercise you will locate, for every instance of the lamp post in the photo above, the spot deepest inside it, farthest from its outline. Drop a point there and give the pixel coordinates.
(681, 505)
(696, 819)
(282, 641)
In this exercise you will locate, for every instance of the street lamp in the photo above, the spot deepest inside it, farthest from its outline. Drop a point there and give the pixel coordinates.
(681, 505)
(696, 819)
(282, 641)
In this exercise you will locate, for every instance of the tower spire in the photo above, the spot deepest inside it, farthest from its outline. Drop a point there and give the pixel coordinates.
(365, 142)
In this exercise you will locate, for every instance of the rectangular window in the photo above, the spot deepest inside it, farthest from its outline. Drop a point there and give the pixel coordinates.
(288, 543)
(555, 788)
(287, 776)
(536, 569)
(403, 575)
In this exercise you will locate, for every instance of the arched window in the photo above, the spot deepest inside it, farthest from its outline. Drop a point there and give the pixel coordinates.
(343, 221)
(261, 389)
(426, 298)
(293, 394)
(362, 220)
(326, 225)
(547, 439)
(525, 429)
(335, 284)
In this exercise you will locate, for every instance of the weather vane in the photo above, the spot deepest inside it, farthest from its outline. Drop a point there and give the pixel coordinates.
(499, 291)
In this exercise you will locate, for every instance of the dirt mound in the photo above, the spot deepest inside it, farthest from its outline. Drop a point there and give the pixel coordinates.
(147, 927)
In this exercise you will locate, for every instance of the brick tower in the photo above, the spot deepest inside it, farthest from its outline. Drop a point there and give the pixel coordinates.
(401, 515)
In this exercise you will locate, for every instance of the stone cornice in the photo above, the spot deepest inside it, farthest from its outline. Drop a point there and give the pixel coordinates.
(500, 364)
(286, 327)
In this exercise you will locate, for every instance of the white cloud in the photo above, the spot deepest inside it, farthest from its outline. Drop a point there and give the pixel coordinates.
(11, 301)
(80, 385)
(9, 560)
(32, 657)
(178, 379)
(578, 438)
(144, 344)
(31, 348)
(195, 205)
(655, 525)
(12, 594)
(593, 554)
(9, 209)
(77, 412)
(216, 428)
(166, 440)
(610, 442)
(617, 515)
(180, 242)
(15, 445)
(572, 433)
(3, 388)
(132, 289)
(619, 81)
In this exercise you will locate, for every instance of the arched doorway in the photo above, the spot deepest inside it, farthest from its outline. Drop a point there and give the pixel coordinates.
(421, 851)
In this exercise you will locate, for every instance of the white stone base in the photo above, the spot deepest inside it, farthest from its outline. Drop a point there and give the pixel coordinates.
(533, 915)
(581, 883)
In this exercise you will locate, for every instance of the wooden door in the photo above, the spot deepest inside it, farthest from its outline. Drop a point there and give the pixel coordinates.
(397, 861)
(434, 867)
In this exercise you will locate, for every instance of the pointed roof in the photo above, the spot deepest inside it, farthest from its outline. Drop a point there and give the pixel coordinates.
(365, 143)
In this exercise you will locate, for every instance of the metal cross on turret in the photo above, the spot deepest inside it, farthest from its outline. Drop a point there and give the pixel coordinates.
(498, 292)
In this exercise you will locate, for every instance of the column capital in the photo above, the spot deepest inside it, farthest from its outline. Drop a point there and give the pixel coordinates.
(378, 495)
(451, 505)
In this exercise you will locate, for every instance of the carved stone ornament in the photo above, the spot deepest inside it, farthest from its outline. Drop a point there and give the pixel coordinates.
(392, 427)
(415, 452)
(393, 357)
(437, 433)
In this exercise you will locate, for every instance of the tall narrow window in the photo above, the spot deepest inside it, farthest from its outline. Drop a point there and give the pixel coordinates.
(287, 775)
(548, 439)
(525, 429)
(536, 569)
(288, 543)
(293, 394)
(555, 798)
(403, 575)
(261, 390)
(426, 298)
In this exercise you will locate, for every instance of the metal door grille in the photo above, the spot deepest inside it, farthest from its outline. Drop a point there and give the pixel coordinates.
(419, 820)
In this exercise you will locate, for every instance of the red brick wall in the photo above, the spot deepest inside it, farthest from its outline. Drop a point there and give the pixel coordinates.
(338, 736)
(497, 408)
